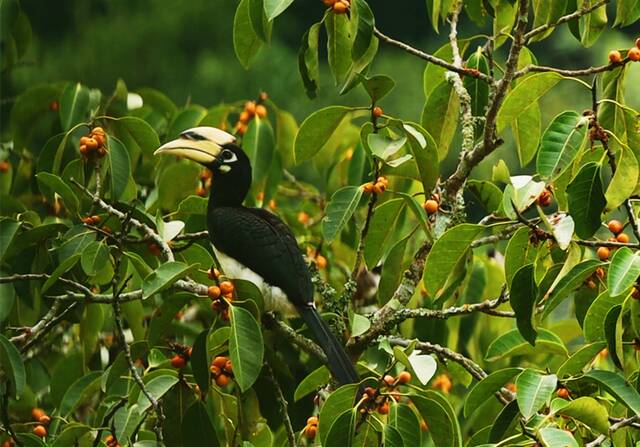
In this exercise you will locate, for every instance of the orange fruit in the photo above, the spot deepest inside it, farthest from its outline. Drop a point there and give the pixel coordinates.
(263, 96)
(226, 287)
(431, 206)
(600, 273)
(244, 117)
(603, 253)
(303, 218)
(37, 413)
(368, 187)
(40, 431)
(200, 191)
(615, 56)
(261, 111)
(215, 370)
(250, 107)
(638, 42)
(404, 377)
(310, 431)
(383, 408)
(312, 420)
(377, 112)
(321, 262)
(220, 361)
(389, 380)
(615, 226)
(213, 292)
(222, 380)
(378, 188)
(624, 238)
(228, 367)
(562, 393)
(214, 273)
(178, 361)
(4, 166)
(340, 8)
(634, 54)
(44, 420)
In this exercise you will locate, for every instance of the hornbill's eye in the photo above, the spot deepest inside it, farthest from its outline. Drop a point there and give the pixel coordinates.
(228, 156)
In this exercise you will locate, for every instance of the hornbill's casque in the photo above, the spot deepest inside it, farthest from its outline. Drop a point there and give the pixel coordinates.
(252, 243)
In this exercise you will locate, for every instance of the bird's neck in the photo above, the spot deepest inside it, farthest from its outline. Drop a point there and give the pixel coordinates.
(230, 189)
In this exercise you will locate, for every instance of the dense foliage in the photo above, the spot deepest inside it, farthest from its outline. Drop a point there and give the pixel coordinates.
(518, 326)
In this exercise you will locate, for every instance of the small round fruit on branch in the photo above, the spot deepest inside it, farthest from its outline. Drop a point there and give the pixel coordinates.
(615, 57)
(615, 226)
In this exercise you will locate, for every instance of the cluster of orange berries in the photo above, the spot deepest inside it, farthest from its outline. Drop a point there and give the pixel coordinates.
(111, 441)
(616, 227)
(615, 57)
(321, 261)
(337, 6)
(311, 429)
(251, 109)
(432, 205)
(443, 383)
(545, 197)
(225, 290)
(183, 354)
(373, 398)
(221, 370)
(272, 203)
(91, 220)
(92, 145)
(4, 166)
(39, 415)
(598, 275)
(378, 187)
(205, 183)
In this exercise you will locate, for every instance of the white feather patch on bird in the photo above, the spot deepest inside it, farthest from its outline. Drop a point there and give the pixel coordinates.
(274, 297)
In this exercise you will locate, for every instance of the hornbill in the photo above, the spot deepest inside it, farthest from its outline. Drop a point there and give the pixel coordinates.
(252, 243)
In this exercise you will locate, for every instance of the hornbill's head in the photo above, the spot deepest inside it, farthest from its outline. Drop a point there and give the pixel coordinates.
(211, 147)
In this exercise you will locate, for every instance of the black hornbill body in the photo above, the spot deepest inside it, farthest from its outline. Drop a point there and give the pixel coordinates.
(252, 243)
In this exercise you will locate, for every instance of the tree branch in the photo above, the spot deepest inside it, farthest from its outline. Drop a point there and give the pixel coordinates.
(282, 405)
(566, 18)
(285, 331)
(614, 428)
(569, 73)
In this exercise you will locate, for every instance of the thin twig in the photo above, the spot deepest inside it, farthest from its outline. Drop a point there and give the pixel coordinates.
(282, 405)
(566, 18)
(614, 428)
(569, 73)
(50, 324)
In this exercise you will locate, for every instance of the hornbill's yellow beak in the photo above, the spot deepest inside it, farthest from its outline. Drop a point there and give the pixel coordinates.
(200, 144)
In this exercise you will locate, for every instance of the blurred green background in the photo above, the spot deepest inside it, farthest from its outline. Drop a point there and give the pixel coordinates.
(184, 48)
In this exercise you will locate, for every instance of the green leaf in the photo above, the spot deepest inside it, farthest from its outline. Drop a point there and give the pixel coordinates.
(425, 152)
(342, 429)
(316, 130)
(157, 387)
(312, 382)
(125, 421)
(338, 45)
(52, 182)
(186, 118)
(395, 264)
(594, 320)
(163, 277)
(31, 106)
(246, 348)
(378, 86)
(439, 415)
(569, 282)
(504, 421)
(383, 146)
(547, 11)
(511, 343)
(259, 144)
(574, 364)
(562, 227)
(486, 388)
(273, 8)
(527, 93)
(615, 385)
(624, 181)
(392, 437)
(94, 257)
(526, 129)
(519, 252)
(12, 367)
(613, 334)
(364, 29)
(71, 435)
(336, 404)
(200, 362)
(586, 200)
(74, 105)
(197, 427)
(445, 255)
(552, 437)
(534, 390)
(157, 101)
(136, 135)
(339, 211)
(623, 271)
(523, 295)
(403, 418)
(381, 229)
(477, 88)
(593, 24)
(489, 195)
(440, 116)
(119, 167)
(259, 22)
(308, 60)
(627, 13)
(246, 42)
(560, 144)
(80, 390)
(60, 270)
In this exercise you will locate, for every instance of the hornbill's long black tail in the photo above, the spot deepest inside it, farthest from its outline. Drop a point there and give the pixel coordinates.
(339, 362)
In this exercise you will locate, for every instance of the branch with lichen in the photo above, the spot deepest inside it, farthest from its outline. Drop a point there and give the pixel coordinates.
(614, 428)
(564, 19)
(286, 332)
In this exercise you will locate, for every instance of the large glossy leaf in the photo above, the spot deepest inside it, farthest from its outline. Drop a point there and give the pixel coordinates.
(594, 320)
(197, 428)
(246, 348)
(163, 277)
(259, 144)
(525, 94)
(246, 42)
(552, 437)
(446, 253)
(547, 11)
(339, 211)
(259, 22)
(83, 388)
(50, 183)
(519, 252)
(338, 45)
(273, 8)
(511, 343)
(574, 364)
(561, 142)
(364, 29)
(534, 389)
(477, 88)
(572, 280)
(526, 130)
(403, 418)
(74, 105)
(157, 387)
(308, 60)
(342, 429)
(119, 167)
(625, 180)
(381, 229)
(441, 418)
(616, 386)
(136, 135)
(586, 200)
(316, 130)
(588, 411)
(623, 271)
(486, 388)
(94, 257)
(200, 362)
(336, 404)
(440, 116)
(312, 382)
(523, 295)
(593, 24)
(504, 422)
(489, 195)
(125, 421)
(613, 334)
(12, 367)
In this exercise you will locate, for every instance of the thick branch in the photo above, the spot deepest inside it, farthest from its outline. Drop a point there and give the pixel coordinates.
(307, 345)
(569, 73)
(430, 58)
(614, 428)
